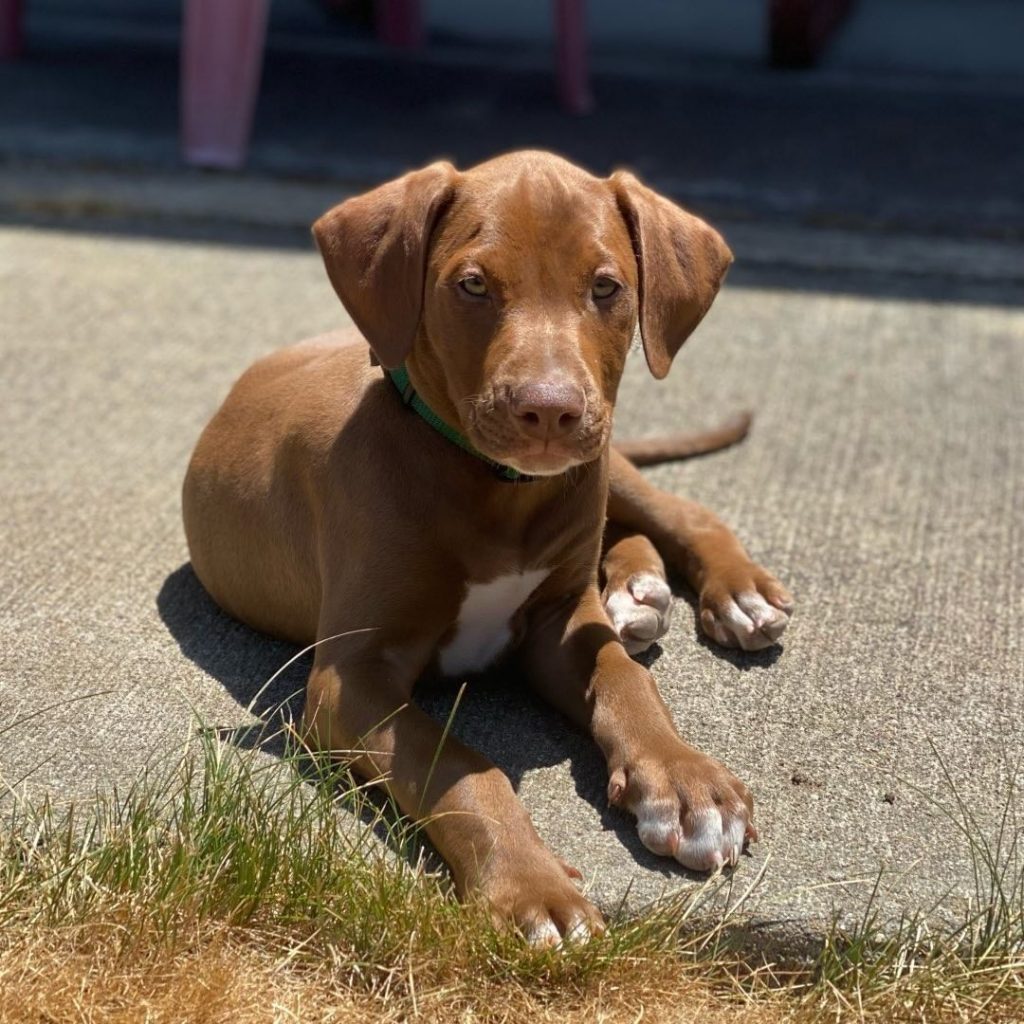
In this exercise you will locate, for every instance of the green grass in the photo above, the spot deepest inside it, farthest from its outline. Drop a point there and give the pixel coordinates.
(257, 851)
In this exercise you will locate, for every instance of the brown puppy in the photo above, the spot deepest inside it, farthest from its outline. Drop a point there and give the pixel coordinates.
(318, 504)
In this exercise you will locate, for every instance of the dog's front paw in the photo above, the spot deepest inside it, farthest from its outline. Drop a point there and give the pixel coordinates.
(533, 891)
(745, 607)
(687, 806)
(640, 609)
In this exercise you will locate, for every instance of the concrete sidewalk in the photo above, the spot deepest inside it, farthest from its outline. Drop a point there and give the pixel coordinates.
(884, 482)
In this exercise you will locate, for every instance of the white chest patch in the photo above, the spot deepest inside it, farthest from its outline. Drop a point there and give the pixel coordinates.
(482, 631)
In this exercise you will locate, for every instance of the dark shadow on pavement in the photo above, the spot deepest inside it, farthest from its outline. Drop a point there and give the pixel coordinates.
(743, 660)
(239, 658)
(923, 157)
(888, 285)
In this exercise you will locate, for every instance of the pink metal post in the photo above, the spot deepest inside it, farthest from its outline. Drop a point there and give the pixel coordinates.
(221, 60)
(400, 23)
(11, 32)
(571, 43)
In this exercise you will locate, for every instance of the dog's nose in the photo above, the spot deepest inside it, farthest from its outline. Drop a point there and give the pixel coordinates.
(548, 409)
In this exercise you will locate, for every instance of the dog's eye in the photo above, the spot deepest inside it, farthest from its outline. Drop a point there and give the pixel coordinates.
(604, 288)
(474, 285)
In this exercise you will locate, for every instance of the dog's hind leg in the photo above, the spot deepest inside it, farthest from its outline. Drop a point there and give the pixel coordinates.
(741, 604)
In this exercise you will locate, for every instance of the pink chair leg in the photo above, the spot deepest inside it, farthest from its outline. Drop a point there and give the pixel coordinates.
(400, 23)
(11, 28)
(571, 41)
(221, 60)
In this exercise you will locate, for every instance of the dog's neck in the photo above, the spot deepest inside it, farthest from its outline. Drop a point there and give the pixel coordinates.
(413, 400)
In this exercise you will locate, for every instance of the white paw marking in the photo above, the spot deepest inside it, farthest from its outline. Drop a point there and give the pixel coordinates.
(748, 621)
(640, 611)
(543, 933)
(657, 824)
(578, 932)
(703, 842)
(708, 843)
(482, 631)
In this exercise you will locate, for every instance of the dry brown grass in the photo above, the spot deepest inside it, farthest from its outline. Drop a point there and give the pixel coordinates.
(220, 974)
(222, 890)
(108, 972)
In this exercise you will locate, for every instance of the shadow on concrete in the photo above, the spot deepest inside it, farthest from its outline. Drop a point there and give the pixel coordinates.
(742, 139)
(743, 660)
(496, 714)
(926, 155)
(884, 285)
(239, 658)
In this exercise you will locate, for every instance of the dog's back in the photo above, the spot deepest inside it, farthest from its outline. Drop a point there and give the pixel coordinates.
(249, 497)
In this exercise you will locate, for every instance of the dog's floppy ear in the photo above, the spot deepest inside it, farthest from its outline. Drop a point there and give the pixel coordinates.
(681, 262)
(375, 246)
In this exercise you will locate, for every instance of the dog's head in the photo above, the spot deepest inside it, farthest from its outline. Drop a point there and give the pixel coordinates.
(513, 291)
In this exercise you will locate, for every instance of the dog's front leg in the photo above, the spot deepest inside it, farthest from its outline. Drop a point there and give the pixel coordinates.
(741, 604)
(687, 804)
(361, 710)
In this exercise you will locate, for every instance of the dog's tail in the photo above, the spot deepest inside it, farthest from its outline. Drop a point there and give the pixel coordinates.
(648, 451)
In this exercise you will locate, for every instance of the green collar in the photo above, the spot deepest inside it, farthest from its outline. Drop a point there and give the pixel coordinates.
(400, 378)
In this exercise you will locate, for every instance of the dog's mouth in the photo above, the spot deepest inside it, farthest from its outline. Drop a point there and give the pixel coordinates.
(541, 463)
(502, 443)
(497, 430)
